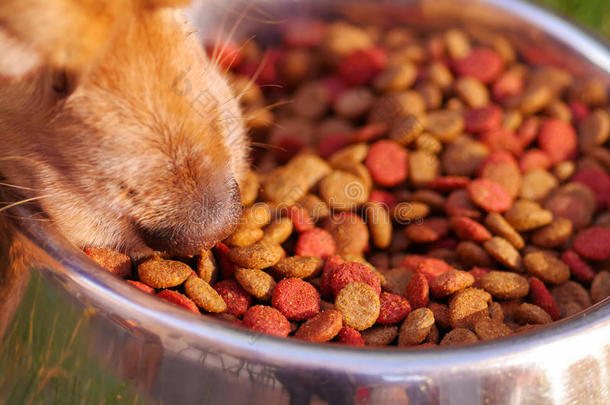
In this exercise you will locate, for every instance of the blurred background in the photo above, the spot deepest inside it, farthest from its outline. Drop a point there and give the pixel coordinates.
(594, 14)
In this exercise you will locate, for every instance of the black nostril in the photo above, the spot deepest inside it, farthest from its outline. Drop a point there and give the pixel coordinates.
(199, 226)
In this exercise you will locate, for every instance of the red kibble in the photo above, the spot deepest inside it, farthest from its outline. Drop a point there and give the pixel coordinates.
(418, 292)
(227, 267)
(141, 286)
(483, 119)
(369, 133)
(317, 242)
(394, 308)
(593, 243)
(488, 195)
(331, 143)
(264, 319)
(350, 272)
(508, 85)
(331, 264)
(448, 183)
(301, 220)
(178, 299)
(534, 159)
(528, 131)
(296, 299)
(265, 70)
(385, 198)
(581, 271)
(335, 86)
(350, 336)
(360, 66)
(236, 298)
(432, 265)
(481, 63)
(467, 229)
(598, 181)
(387, 163)
(540, 296)
(558, 139)
(430, 230)
(303, 33)
(227, 54)
(579, 110)
(501, 139)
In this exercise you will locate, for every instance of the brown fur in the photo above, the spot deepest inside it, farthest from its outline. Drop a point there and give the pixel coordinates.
(131, 143)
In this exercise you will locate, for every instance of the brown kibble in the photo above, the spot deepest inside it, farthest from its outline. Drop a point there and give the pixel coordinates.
(488, 329)
(570, 297)
(600, 286)
(546, 267)
(342, 39)
(205, 266)
(314, 206)
(468, 306)
(256, 282)
(459, 336)
(406, 130)
(396, 280)
(499, 226)
(248, 187)
(256, 216)
(557, 234)
(257, 256)
(472, 91)
(405, 212)
(532, 314)
(159, 273)
(505, 253)
(380, 224)
(457, 43)
(428, 143)
(440, 74)
(416, 327)
(505, 285)
(526, 215)
(431, 198)
(463, 156)
(299, 266)
(534, 99)
(564, 170)
(379, 335)
(321, 328)
(389, 108)
(354, 102)
(359, 305)
(496, 312)
(396, 78)
(311, 100)
(449, 282)
(594, 130)
(203, 295)
(441, 315)
(115, 262)
(423, 167)
(573, 201)
(244, 236)
(343, 191)
(445, 125)
(278, 231)
(537, 184)
(470, 254)
(355, 153)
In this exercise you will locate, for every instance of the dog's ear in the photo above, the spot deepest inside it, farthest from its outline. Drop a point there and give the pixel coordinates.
(65, 34)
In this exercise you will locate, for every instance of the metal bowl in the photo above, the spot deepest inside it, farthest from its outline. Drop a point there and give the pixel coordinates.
(72, 333)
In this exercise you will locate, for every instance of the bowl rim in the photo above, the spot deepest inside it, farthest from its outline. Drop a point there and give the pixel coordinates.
(113, 296)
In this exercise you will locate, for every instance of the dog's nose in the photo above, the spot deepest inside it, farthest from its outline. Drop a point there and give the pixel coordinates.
(201, 223)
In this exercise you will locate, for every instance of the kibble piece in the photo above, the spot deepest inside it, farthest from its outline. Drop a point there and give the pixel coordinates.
(488, 329)
(396, 78)
(256, 216)
(393, 308)
(573, 201)
(450, 282)
(424, 167)
(178, 299)
(256, 282)
(489, 195)
(406, 130)
(380, 335)
(571, 297)
(505, 253)
(343, 191)
(405, 212)
(359, 304)
(499, 226)
(593, 243)
(546, 267)
(459, 336)
(159, 273)
(342, 39)
(248, 187)
(278, 231)
(505, 285)
(205, 265)
(600, 286)
(296, 299)
(526, 215)
(387, 163)
(299, 266)
(244, 236)
(380, 224)
(556, 234)
(264, 319)
(349, 232)
(537, 184)
(257, 256)
(115, 262)
(321, 328)
(471, 254)
(496, 312)
(468, 306)
(463, 156)
(353, 153)
(416, 327)
(594, 130)
(445, 125)
(204, 295)
(354, 102)
(291, 182)
(532, 314)
(472, 92)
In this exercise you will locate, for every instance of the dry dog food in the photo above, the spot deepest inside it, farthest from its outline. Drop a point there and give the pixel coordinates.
(416, 191)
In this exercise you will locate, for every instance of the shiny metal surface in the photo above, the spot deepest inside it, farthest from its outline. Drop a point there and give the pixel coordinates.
(71, 333)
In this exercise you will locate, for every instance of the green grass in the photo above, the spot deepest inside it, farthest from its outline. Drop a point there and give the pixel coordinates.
(594, 14)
